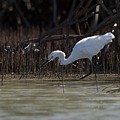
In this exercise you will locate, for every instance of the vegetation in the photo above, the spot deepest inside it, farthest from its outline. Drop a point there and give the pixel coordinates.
(47, 25)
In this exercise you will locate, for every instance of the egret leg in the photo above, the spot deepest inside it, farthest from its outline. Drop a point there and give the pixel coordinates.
(2, 79)
(90, 71)
(62, 73)
(21, 76)
(96, 78)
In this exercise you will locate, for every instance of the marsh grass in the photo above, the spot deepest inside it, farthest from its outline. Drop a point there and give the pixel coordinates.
(15, 64)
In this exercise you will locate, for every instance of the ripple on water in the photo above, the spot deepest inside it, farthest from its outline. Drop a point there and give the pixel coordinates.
(30, 102)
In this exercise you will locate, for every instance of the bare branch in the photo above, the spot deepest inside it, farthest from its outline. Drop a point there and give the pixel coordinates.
(104, 7)
(20, 13)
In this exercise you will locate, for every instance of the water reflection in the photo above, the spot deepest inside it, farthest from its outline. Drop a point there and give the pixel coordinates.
(34, 101)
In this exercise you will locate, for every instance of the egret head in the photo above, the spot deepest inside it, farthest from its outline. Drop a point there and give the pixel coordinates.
(53, 55)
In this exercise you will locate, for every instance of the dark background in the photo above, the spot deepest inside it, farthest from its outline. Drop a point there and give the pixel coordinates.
(23, 22)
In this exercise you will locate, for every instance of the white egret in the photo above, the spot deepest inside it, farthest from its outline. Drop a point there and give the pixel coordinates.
(85, 48)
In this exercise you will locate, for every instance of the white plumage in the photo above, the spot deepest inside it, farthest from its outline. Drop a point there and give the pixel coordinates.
(85, 48)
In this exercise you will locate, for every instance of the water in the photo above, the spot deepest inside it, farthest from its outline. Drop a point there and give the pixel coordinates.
(28, 100)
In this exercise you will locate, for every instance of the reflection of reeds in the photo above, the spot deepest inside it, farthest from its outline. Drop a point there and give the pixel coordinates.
(27, 65)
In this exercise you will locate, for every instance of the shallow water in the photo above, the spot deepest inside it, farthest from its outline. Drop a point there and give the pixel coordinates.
(34, 101)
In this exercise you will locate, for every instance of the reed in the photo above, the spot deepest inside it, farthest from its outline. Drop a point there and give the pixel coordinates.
(13, 63)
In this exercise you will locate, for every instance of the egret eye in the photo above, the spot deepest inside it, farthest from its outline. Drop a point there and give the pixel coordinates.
(50, 58)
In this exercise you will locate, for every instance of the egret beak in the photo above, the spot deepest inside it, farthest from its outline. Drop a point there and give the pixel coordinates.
(47, 61)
